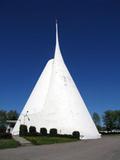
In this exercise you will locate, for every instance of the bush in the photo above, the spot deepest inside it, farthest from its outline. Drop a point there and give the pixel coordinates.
(33, 134)
(2, 129)
(23, 130)
(67, 135)
(109, 133)
(53, 132)
(32, 130)
(64, 135)
(43, 131)
(76, 134)
(5, 135)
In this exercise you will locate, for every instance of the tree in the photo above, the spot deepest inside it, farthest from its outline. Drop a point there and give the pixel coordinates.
(3, 116)
(96, 119)
(117, 119)
(12, 115)
(110, 119)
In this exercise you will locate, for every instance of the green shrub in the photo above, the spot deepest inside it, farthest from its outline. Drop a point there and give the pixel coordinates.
(5, 135)
(32, 130)
(76, 134)
(67, 135)
(23, 130)
(53, 132)
(43, 131)
(2, 129)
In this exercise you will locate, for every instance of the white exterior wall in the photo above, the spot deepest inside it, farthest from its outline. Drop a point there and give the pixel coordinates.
(56, 102)
(36, 100)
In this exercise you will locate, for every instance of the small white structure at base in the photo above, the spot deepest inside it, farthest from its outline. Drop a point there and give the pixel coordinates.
(55, 102)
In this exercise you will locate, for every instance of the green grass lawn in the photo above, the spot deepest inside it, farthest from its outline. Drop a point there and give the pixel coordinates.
(8, 143)
(49, 140)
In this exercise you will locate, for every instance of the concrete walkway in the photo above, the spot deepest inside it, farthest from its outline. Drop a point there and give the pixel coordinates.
(22, 141)
(107, 148)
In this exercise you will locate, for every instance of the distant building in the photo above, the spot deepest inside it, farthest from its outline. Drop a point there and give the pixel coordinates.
(9, 124)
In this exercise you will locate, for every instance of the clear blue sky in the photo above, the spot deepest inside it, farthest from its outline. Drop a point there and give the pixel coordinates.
(89, 33)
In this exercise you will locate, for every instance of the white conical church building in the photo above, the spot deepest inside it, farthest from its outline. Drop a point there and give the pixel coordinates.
(55, 102)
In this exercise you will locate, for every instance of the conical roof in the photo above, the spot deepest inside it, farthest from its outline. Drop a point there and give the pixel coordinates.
(55, 102)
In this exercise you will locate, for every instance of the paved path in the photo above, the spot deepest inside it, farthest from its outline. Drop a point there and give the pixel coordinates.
(107, 148)
(22, 141)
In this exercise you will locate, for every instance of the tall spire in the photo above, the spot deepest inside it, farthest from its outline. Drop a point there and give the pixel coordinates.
(57, 39)
(57, 55)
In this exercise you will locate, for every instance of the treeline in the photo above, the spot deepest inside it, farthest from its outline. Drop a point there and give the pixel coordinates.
(8, 115)
(109, 121)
